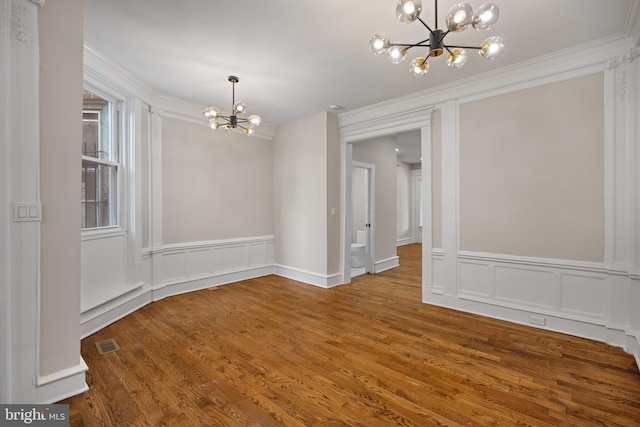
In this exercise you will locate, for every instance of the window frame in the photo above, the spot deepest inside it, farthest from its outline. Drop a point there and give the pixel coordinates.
(116, 161)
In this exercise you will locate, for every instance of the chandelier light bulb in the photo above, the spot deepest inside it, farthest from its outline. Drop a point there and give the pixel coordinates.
(457, 58)
(485, 16)
(459, 17)
(397, 54)
(255, 120)
(419, 67)
(213, 124)
(211, 112)
(408, 11)
(379, 43)
(492, 48)
(239, 108)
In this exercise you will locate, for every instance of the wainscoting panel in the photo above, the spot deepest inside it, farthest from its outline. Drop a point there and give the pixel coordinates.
(198, 262)
(103, 268)
(573, 297)
(230, 258)
(476, 278)
(174, 265)
(437, 263)
(584, 295)
(526, 286)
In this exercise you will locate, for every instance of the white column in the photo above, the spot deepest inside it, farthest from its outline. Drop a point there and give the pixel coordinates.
(449, 199)
(19, 191)
(427, 206)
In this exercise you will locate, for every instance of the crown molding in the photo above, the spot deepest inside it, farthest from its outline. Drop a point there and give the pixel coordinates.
(112, 75)
(569, 63)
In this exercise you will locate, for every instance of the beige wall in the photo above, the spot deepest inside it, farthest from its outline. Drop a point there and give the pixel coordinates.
(300, 194)
(381, 152)
(334, 192)
(531, 172)
(60, 150)
(216, 185)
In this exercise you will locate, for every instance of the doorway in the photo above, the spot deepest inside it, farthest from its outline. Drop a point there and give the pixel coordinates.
(362, 212)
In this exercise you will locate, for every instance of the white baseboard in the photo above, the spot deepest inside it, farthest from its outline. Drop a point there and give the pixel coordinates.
(386, 264)
(315, 279)
(63, 384)
(405, 241)
(105, 314)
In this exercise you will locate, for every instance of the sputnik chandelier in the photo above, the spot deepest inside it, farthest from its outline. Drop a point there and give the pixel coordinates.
(233, 121)
(460, 16)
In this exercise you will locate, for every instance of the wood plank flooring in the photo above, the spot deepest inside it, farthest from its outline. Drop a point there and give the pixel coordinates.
(274, 352)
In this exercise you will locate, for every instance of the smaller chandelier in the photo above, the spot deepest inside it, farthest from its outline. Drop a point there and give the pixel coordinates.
(233, 121)
(460, 16)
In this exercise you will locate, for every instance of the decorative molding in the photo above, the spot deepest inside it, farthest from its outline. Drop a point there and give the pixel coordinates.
(39, 2)
(621, 84)
(20, 22)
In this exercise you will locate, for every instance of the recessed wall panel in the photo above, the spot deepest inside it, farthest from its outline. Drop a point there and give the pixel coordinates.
(524, 286)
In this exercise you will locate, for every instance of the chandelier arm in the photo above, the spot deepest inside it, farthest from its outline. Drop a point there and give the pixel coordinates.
(463, 47)
(409, 46)
(425, 24)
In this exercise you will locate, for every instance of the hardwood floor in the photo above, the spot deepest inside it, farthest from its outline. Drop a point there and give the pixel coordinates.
(271, 351)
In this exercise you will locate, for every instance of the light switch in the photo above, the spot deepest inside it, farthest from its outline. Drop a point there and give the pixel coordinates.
(27, 212)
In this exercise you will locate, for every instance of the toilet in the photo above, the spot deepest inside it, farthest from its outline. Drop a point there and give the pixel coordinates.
(359, 250)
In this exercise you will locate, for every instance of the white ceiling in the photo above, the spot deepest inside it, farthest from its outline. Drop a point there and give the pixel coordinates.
(297, 58)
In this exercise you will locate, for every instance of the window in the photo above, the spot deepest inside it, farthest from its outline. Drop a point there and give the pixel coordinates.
(100, 162)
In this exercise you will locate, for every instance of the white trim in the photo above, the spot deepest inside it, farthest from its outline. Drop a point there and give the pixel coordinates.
(63, 386)
(311, 278)
(80, 368)
(99, 317)
(386, 264)
(20, 145)
(405, 241)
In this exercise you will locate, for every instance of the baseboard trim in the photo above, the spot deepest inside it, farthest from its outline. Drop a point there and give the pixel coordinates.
(310, 278)
(113, 310)
(405, 241)
(386, 264)
(192, 284)
(63, 384)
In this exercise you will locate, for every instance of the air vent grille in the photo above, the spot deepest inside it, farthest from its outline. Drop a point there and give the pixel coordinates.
(107, 346)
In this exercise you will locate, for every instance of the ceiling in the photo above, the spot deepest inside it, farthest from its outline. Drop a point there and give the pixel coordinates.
(298, 58)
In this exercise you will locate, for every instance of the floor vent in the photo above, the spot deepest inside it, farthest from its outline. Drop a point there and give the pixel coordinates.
(107, 346)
